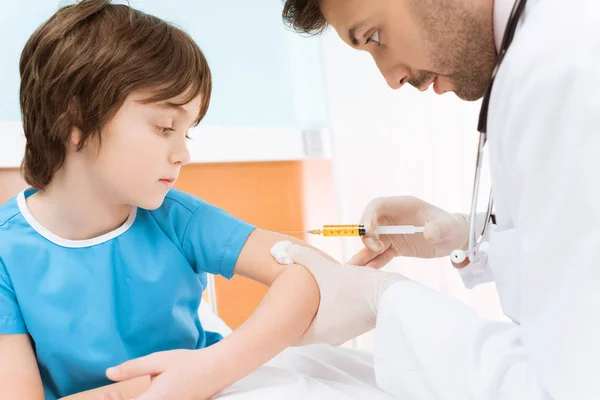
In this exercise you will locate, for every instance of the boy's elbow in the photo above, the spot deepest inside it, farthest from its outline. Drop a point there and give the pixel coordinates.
(305, 283)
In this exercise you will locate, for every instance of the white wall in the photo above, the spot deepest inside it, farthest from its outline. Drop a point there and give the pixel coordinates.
(264, 75)
(267, 81)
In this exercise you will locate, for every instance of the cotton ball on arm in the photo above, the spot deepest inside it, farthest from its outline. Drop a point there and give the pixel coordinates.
(279, 252)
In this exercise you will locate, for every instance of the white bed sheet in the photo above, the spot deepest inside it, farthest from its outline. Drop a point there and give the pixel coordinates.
(300, 373)
(311, 372)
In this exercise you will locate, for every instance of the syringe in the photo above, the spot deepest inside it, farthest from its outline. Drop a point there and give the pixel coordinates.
(359, 230)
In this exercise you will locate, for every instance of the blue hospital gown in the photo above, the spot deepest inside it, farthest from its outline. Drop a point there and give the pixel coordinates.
(93, 304)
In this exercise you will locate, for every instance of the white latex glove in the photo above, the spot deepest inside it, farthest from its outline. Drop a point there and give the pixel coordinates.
(444, 232)
(349, 297)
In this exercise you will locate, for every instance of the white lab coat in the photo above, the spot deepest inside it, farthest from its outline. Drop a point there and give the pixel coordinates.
(544, 149)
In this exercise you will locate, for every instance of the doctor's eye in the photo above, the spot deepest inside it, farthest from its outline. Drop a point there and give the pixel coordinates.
(374, 38)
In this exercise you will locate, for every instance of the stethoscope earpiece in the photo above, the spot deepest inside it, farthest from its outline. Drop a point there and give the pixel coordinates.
(458, 256)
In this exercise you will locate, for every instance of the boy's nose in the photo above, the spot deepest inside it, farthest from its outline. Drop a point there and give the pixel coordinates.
(181, 155)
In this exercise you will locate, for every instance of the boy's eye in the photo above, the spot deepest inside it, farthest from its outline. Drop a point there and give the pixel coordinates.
(374, 37)
(165, 130)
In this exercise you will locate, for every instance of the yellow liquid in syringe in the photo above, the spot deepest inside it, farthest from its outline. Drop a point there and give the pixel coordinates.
(339, 230)
(359, 230)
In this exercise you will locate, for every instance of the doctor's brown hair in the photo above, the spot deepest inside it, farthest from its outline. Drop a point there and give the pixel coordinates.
(304, 16)
(79, 66)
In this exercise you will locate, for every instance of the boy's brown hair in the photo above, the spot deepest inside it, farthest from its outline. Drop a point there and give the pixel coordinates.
(80, 65)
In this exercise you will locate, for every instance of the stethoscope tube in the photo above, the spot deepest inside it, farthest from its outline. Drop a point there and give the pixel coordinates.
(476, 253)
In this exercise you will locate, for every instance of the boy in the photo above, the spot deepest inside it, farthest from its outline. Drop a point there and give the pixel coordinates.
(102, 261)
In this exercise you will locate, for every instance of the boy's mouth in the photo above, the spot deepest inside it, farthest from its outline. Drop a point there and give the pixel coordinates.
(167, 181)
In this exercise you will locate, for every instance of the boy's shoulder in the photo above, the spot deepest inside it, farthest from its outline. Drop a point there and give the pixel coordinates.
(8, 211)
(179, 209)
(177, 199)
(13, 227)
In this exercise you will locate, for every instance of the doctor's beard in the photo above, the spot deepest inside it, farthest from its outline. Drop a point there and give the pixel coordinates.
(462, 40)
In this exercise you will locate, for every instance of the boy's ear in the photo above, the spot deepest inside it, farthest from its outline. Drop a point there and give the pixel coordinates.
(76, 137)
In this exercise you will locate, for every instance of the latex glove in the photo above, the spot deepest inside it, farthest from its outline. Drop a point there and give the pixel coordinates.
(349, 297)
(176, 374)
(444, 232)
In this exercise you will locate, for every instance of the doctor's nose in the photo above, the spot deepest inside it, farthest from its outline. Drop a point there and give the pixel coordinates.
(396, 76)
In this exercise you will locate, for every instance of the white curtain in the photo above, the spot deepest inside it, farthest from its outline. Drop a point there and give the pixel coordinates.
(390, 143)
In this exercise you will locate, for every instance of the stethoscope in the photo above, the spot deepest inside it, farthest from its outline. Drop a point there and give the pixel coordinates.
(478, 247)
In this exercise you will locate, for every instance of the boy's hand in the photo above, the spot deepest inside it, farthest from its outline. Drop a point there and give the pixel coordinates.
(113, 396)
(176, 374)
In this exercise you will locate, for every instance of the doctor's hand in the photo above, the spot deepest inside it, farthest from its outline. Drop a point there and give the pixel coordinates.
(349, 297)
(444, 232)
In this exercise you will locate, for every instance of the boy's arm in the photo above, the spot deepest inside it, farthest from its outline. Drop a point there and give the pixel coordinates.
(255, 261)
(285, 313)
(19, 374)
(127, 390)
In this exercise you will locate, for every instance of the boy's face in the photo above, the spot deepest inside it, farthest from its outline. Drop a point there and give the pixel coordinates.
(142, 150)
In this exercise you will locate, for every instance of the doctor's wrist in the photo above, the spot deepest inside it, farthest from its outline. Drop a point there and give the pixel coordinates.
(383, 283)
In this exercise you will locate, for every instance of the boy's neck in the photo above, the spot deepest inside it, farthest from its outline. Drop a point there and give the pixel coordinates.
(71, 208)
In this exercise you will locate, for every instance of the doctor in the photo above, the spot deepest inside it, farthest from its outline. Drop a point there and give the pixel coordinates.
(544, 149)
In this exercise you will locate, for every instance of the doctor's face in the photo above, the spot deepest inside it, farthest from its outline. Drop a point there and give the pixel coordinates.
(445, 43)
